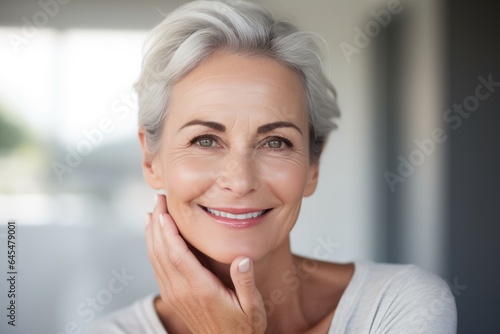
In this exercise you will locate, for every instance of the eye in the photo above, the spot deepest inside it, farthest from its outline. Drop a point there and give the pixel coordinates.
(275, 143)
(279, 143)
(205, 142)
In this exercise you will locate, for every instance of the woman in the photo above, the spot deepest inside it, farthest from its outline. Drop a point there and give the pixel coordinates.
(234, 113)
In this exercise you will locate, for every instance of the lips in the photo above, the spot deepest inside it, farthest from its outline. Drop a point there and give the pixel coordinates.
(237, 217)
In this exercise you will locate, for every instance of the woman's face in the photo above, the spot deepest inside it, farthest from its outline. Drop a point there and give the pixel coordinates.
(236, 137)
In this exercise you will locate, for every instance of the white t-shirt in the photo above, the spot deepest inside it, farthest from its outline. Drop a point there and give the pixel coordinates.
(380, 298)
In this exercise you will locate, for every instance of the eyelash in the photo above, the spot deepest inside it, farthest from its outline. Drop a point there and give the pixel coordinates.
(285, 140)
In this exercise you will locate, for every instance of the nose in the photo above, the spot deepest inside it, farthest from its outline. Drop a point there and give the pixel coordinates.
(239, 174)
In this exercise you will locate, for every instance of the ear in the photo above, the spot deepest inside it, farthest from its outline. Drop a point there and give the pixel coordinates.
(151, 167)
(312, 179)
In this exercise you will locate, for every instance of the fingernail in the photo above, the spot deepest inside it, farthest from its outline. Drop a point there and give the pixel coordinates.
(244, 265)
(161, 220)
(147, 219)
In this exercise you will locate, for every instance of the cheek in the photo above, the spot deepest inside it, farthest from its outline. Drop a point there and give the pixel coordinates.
(287, 177)
(188, 177)
(286, 181)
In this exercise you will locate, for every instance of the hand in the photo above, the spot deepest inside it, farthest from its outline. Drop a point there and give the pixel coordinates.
(200, 299)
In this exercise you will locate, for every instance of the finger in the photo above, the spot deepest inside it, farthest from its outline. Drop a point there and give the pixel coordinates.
(161, 275)
(148, 233)
(158, 249)
(147, 219)
(160, 206)
(243, 277)
(154, 245)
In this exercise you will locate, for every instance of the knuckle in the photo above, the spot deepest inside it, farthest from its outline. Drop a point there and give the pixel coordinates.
(153, 259)
(246, 282)
(176, 258)
(157, 251)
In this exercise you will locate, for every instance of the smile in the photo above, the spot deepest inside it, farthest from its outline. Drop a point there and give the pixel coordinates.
(235, 216)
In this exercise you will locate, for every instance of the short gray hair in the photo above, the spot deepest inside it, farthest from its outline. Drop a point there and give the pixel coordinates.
(197, 29)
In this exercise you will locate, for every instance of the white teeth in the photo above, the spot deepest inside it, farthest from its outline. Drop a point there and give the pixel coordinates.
(233, 216)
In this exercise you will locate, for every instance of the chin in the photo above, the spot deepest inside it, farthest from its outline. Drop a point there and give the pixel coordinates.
(225, 252)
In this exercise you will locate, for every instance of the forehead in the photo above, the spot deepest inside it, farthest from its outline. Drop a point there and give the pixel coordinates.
(225, 83)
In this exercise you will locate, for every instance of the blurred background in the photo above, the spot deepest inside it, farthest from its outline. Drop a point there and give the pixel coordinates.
(410, 176)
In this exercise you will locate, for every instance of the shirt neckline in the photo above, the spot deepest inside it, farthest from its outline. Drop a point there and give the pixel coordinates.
(339, 316)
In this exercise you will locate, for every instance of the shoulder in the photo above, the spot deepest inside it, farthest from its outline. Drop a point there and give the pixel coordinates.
(139, 317)
(398, 298)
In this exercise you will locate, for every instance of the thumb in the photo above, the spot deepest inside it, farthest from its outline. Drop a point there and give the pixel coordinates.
(243, 276)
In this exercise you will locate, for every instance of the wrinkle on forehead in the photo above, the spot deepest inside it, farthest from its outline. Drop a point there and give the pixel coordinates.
(246, 90)
(240, 91)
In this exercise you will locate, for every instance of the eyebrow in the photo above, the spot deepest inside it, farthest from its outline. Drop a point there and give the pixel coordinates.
(214, 125)
(262, 129)
(271, 126)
